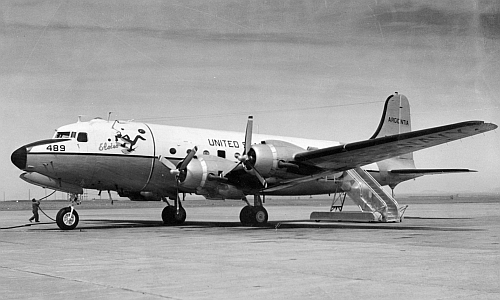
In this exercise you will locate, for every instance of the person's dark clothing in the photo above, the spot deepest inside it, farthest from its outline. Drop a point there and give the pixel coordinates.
(34, 208)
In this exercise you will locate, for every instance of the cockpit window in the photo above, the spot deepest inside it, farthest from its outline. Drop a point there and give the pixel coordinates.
(82, 137)
(73, 135)
(62, 134)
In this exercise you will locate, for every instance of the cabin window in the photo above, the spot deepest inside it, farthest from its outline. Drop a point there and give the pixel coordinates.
(82, 137)
(62, 135)
(221, 153)
(206, 152)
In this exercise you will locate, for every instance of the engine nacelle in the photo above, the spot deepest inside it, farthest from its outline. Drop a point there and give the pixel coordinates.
(201, 171)
(272, 155)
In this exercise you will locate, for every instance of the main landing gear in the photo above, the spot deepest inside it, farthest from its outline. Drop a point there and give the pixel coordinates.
(254, 215)
(173, 214)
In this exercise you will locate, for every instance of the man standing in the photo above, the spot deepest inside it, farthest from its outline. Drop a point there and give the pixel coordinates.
(34, 205)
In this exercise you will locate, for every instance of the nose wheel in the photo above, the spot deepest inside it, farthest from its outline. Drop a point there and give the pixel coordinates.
(67, 218)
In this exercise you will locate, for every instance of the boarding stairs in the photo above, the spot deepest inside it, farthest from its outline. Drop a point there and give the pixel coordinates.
(375, 203)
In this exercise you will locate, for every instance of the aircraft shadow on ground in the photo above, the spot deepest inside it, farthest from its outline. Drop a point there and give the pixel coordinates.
(272, 225)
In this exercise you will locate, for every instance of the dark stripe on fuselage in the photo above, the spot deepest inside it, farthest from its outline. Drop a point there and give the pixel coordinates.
(175, 159)
(91, 154)
(44, 142)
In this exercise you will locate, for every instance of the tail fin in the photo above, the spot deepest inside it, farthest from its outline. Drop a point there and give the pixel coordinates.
(395, 117)
(395, 120)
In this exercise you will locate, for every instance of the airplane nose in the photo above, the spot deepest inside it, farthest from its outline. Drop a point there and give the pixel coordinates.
(18, 158)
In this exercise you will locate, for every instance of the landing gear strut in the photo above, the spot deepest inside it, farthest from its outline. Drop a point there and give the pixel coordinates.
(254, 215)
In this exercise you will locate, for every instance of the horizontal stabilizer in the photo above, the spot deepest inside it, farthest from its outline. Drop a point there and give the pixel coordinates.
(428, 171)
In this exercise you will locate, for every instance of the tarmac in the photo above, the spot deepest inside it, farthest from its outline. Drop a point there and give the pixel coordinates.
(440, 251)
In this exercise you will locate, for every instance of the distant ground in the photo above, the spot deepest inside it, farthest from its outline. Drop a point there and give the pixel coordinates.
(106, 204)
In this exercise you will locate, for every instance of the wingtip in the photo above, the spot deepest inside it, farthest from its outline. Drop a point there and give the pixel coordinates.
(488, 126)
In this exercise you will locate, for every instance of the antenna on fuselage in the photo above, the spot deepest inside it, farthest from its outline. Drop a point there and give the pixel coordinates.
(79, 118)
(109, 115)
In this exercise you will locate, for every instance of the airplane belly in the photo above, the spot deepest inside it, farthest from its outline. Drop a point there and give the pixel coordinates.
(100, 172)
(61, 166)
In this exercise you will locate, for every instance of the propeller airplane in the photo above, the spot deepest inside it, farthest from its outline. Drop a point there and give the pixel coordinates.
(149, 162)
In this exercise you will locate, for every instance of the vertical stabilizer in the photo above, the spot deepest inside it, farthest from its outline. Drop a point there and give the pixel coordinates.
(395, 117)
(395, 120)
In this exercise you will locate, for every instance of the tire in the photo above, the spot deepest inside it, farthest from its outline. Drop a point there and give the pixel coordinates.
(260, 216)
(246, 216)
(170, 216)
(65, 220)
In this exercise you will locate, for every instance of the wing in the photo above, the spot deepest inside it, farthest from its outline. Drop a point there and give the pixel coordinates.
(352, 155)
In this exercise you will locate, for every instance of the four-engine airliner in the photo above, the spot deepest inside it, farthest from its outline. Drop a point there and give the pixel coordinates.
(148, 162)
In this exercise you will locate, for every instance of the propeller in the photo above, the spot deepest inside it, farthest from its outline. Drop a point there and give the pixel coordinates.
(248, 157)
(180, 171)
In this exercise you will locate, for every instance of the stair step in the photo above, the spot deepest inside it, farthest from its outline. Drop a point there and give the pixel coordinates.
(377, 201)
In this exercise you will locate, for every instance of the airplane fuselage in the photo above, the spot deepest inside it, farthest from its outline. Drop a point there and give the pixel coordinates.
(125, 157)
(152, 162)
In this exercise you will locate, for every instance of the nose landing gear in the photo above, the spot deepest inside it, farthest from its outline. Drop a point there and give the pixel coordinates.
(67, 218)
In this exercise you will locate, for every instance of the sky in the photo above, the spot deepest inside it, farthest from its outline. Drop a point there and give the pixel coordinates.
(314, 69)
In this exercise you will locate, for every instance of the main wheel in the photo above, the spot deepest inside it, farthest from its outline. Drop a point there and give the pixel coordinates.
(170, 216)
(67, 220)
(260, 216)
(246, 216)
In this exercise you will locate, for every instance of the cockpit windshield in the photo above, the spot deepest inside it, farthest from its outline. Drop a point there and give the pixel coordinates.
(80, 136)
(62, 135)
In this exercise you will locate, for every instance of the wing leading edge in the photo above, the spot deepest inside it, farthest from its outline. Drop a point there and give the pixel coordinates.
(352, 155)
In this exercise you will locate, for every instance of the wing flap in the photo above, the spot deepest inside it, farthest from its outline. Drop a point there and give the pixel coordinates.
(352, 155)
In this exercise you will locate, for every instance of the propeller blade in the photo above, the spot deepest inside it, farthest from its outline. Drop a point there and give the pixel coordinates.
(248, 135)
(188, 158)
(261, 179)
(168, 163)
